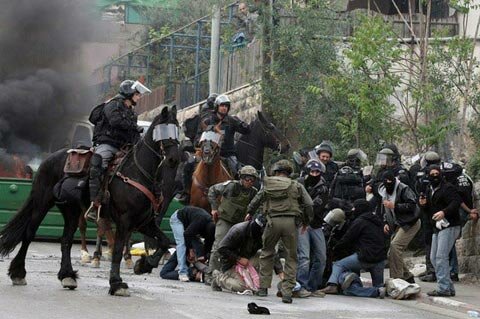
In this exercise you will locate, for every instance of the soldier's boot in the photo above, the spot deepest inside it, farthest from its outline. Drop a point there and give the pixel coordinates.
(95, 187)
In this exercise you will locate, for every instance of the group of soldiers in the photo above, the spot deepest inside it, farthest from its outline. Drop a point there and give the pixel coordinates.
(334, 220)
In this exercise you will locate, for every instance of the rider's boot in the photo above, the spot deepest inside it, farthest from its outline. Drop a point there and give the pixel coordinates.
(188, 169)
(95, 186)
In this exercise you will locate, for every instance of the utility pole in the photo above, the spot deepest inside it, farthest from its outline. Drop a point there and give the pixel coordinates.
(214, 51)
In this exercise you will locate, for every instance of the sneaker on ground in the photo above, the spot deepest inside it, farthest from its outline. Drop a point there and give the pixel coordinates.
(382, 292)
(183, 278)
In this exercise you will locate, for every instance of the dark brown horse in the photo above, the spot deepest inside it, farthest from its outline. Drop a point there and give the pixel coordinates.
(210, 170)
(152, 163)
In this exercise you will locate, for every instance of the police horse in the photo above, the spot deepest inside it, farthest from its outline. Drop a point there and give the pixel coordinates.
(151, 164)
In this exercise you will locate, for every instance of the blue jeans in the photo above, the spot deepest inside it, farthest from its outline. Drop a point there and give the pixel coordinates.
(178, 230)
(353, 264)
(312, 257)
(453, 260)
(442, 244)
(356, 289)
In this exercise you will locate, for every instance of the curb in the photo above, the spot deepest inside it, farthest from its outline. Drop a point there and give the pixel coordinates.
(448, 302)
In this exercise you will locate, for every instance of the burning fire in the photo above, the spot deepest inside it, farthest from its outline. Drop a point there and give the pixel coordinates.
(14, 167)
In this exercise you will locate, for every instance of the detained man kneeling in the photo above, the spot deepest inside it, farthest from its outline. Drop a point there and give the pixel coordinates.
(237, 252)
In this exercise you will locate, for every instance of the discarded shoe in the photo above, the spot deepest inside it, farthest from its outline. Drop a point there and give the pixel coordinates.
(257, 310)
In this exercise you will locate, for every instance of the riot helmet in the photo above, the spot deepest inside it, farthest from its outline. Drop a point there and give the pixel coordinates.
(430, 158)
(355, 158)
(222, 99)
(335, 217)
(324, 147)
(396, 154)
(384, 158)
(211, 100)
(284, 166)
(315, 165)
(128, 88)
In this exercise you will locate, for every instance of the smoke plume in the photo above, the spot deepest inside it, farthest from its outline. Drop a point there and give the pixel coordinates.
(41, 79)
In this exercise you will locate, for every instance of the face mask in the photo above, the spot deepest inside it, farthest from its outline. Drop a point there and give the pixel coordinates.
(434, 180)
(389, 187)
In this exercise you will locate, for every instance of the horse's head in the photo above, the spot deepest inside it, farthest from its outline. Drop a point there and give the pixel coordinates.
(163, 136)
(210, 143)
(272, 137)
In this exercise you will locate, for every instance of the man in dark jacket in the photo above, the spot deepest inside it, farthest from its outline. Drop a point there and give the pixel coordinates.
(325, 153)
(229, 125)
(397, 204)
(187, 225)
(239, 246)
(115, 126)
(311, 248)
(365, 237)
(441, 206)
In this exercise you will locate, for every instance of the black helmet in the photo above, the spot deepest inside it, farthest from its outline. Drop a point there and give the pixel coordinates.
(324, 147)
(396, 154)
(314, 164)
(222, 99)
(283, 166)
(355, 157)
(211, 99)
(128, 88)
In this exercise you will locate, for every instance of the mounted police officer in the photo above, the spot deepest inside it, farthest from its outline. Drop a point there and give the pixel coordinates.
(208, 107)
(286, 205)
(228, 125)
(229, 201)
(115, 126)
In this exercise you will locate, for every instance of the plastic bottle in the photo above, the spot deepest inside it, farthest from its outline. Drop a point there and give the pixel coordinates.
(473, 314)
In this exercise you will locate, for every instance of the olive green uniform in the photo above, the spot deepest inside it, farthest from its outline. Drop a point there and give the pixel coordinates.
(231, 210)
(286, 204)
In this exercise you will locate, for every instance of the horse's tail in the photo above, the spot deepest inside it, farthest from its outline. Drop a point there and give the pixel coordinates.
(13, 232)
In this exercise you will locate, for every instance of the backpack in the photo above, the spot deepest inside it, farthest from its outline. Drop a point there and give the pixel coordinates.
(96, 115)
(348, 184)
(279, 193)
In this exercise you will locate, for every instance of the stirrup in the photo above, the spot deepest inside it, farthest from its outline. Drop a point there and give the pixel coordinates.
(93, 213)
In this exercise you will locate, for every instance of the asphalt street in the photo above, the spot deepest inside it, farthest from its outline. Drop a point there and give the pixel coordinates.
(152, 297)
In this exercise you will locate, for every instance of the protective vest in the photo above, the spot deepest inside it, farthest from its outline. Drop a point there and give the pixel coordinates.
(281, 196)
(233, 207)
(348, 185)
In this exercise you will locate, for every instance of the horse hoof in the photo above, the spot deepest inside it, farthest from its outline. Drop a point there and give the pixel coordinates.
(108, 255)
(122, 292)
(69, 283)
(19, 282)
(96, 263)
(85, 257)
(129, 263)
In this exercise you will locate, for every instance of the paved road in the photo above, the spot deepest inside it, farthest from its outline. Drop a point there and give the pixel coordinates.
(153, 297)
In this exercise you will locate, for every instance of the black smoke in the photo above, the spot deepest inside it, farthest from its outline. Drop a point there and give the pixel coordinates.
(42, 82)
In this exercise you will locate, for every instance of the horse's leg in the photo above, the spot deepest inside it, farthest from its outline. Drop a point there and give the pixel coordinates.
(147, 263)
(110, 236)
(117, 286)
(97, 254)
(67, 275)
(23, 228)
(127, 256)
(82, 226)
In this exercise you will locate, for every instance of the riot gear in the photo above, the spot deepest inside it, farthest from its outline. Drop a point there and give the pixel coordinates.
(211, 99)
(384, 158)
(335, 217)
(314, 164)
(430, 158)
(128, 88)
(324, 147)
(222, 99)
(355, 158)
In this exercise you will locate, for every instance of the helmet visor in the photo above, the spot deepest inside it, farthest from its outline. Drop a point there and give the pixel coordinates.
(165, 132)
(140, 88)
(383, 160)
